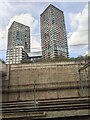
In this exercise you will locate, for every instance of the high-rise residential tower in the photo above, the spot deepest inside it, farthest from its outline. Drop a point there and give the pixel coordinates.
(18, 38)
(53, 33)
(19, 35)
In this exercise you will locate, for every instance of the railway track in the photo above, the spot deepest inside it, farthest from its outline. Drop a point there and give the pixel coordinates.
(28, 108)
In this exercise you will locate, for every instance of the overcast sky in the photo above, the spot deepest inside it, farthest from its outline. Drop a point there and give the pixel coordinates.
(28, 13)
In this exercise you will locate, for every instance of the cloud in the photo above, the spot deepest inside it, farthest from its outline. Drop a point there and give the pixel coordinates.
(35, 43)
(6, 10)
(3, 39)
(3, 43)
(79, 22)
(79, 36)
(26, 19)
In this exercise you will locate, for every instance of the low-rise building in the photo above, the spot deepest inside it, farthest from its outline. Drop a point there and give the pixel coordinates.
(16, 55)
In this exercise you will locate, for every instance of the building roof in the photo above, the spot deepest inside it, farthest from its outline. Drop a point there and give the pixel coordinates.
(14, 47)
(49, 7)
(14, 22)
(35, 54)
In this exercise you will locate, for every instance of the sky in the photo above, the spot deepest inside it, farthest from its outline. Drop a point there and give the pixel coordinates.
(28, 13)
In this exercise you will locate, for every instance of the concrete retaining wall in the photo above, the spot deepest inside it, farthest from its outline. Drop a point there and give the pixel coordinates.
(43, 81)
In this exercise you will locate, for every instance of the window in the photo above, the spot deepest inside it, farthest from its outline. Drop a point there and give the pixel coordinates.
(44, 17)
(53, 21)
(17, 34)
(45, 35)
(25, 44)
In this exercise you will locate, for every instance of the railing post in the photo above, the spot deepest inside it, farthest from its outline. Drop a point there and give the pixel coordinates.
(34, 95)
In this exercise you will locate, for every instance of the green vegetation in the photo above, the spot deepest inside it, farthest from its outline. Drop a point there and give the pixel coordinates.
(58, 59)
(2, 61)
(26, 61)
